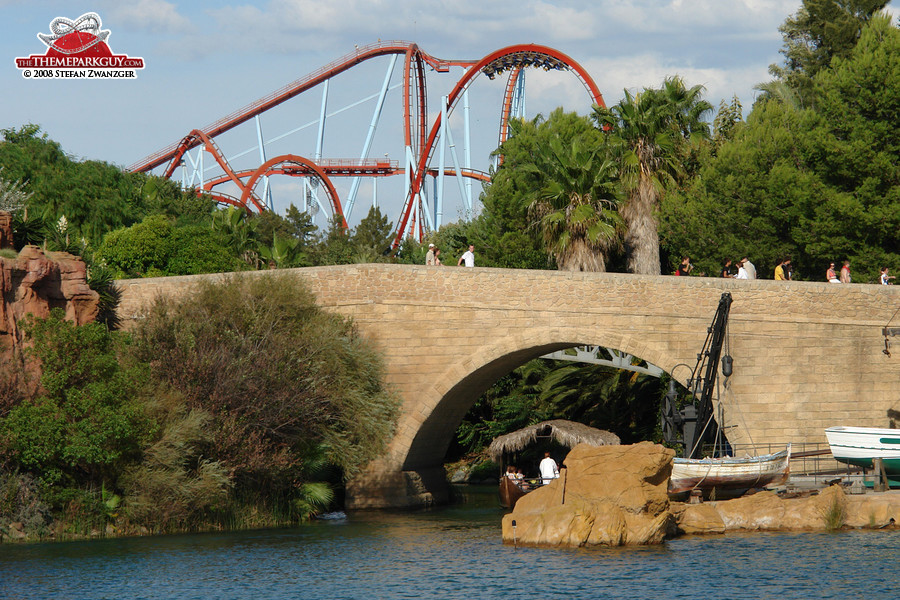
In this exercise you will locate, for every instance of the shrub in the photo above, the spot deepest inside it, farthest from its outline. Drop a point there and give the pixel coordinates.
(280, 377)
(21, 502)
(133, 251)
(174, 485)
(84, 422)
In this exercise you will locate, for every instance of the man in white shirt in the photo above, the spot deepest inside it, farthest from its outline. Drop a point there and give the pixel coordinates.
(468, 257)
(548, 468)
(750, 268)
(429, 256)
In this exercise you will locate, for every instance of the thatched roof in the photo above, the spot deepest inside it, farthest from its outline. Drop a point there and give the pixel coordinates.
(567, 433)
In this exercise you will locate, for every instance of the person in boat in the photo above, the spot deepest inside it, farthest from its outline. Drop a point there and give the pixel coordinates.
(521, 481)
(511, 472)
(548, 468)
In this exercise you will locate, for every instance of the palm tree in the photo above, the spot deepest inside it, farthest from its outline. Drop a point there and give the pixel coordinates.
(649, 129)
(576, 209)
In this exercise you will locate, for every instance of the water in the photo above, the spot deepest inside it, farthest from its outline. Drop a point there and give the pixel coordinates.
(452, 553)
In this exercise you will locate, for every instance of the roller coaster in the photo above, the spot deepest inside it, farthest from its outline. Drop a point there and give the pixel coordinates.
(425, 144)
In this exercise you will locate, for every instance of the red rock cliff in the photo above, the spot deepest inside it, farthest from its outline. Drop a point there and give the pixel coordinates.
(36, 281)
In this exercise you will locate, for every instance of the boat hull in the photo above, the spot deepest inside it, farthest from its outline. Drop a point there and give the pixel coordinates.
(509, 493)
(729, 473)
(860, 446)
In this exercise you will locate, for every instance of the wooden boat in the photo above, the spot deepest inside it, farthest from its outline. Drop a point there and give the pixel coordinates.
(510, 492)
(859, 446)
(729, 474)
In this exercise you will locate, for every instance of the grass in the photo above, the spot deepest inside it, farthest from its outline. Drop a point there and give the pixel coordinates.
(834, 514)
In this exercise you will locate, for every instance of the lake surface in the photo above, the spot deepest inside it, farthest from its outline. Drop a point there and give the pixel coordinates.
(454, 553)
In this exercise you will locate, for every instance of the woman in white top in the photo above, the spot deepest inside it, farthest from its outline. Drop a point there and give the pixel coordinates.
(742, 272)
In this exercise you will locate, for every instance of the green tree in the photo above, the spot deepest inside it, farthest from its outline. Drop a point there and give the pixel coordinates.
(728, 118)
(819, 184)
(156, 247)
(819, 31)
(142, 250)
(505, 234)
(301, 226)
(335, 247)
(620, 401)
(575, 209)
(651, 130)
(373, 236)
(94, 197)
(238, 229)
(86, 423)
(284, 252)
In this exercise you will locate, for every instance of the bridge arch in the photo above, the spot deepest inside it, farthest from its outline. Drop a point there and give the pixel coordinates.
(453, 393)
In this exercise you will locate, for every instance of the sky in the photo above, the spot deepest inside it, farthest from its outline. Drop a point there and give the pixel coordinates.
(205, 59)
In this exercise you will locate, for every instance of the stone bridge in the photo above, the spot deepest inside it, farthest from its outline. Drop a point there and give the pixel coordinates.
(806, 355)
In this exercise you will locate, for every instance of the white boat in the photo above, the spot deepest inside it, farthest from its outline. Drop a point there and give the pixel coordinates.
(729, 473)
(860, 445)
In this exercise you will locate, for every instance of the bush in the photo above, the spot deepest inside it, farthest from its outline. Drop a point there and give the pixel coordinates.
(174, 485)
(280, 378)
(21, 502)
(133, 251)
(85, 421)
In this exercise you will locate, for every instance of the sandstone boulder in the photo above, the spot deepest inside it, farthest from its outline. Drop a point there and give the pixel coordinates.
(35, 282)
(765, 511)
(6, 238)
(607, 495)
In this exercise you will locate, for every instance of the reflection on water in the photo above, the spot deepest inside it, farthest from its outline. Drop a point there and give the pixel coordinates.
(449, 553)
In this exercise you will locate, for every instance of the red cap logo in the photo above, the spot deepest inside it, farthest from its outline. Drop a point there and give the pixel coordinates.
(78, 49)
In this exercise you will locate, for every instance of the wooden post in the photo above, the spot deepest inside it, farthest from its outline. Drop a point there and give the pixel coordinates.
(881, 484)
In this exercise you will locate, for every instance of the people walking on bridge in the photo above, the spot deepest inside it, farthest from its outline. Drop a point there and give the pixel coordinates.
(845, 272)
(749, 267)
(779, 270)
(468, 257)
(788, 268)
(727, 269)
(549, 469)
(742, 271)
(685, 267)
(429, 256)
(437, 257)
(830, 275)
(885, 277)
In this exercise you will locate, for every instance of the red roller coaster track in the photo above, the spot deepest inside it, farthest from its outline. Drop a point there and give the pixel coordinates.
(512, 59)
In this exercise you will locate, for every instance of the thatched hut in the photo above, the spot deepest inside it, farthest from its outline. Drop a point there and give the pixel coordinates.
(567, 433)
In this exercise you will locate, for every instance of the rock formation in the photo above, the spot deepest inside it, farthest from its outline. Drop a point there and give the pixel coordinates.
(34, 282)
(607, 495)
(766, 511)
(617, 495)
(6, 239)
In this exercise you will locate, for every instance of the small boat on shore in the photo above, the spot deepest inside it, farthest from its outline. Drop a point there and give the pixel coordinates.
(729, 474)
(859, 446)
